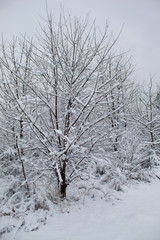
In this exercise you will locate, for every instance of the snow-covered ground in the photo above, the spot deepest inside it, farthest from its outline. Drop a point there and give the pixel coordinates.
(136, 216)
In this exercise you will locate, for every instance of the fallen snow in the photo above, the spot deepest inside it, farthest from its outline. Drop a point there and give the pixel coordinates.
(136, 216)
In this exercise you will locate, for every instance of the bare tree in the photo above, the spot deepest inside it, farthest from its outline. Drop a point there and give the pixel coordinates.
(146, 118)
(120, 97)
(147, 114)
(13, 57)
(69, 83)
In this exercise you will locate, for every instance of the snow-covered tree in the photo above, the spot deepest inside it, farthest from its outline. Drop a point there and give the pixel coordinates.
(12, 125)
(75, 87)
(146, 118)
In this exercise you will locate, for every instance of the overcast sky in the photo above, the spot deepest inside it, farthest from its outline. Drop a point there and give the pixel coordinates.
(141, 33)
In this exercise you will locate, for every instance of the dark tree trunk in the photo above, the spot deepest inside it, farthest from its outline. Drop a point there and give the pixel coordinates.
(63, 185)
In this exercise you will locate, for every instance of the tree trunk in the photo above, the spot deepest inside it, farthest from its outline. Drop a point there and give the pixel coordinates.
(63, 185)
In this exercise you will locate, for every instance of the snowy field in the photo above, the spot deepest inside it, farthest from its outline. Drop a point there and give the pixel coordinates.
(135, 216)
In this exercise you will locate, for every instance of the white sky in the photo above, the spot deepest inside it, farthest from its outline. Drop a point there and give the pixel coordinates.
(141, 33)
